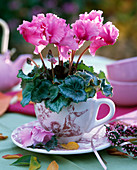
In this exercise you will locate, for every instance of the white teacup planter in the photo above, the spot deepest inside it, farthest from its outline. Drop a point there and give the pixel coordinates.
(75, 120)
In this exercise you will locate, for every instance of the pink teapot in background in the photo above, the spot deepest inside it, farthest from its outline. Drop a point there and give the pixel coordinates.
(9, 69)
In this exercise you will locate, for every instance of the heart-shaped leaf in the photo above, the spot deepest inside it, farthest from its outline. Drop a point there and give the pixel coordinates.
(54, 90)
(26, 93)
(41, 91)
(102, 75)
(51, 144)
(82, 66)
(57, 104)
(86, 76)
(91, 91)
(73, 88)
(106, 89)
(24, 76)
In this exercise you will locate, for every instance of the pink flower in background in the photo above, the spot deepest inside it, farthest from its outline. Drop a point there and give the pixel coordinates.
(34, 136)
(70, 7)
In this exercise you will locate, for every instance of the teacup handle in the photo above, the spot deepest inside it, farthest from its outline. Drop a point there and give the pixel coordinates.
(94, 122)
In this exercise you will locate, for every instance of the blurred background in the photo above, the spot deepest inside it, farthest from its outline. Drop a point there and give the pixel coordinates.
(122, 13)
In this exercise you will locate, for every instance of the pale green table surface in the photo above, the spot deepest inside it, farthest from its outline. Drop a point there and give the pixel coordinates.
(10, 121)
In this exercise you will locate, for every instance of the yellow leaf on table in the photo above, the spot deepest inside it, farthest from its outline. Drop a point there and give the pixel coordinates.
(34, 164)
(53, 166)
(8, 156)
(4, 103)
(3, 137)
(70, 146)
(116, 152)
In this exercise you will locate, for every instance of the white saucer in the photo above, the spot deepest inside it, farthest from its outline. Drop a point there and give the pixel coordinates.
(100, 141)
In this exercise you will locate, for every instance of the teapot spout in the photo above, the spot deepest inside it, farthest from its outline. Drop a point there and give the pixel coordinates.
(19, 62)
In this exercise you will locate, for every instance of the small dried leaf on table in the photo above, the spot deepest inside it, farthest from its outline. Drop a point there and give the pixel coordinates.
(53, 166)
(3, 137)
(4, 103)
(70, 146)
(14, 156)
(34, 164)
(24, 160)
(116, 152)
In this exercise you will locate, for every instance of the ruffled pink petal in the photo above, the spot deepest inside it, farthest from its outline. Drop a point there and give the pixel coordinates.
(68, 40)
(55, 27)
(40, 135)
(26, 137)
(85, 29)
(79, 29)
(64, 53)
(109, 33)
(95, 45)
(38, 49)
(92, 15)
(35, 32)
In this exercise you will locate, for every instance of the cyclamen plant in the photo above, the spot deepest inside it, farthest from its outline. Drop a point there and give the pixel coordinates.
(67, 81)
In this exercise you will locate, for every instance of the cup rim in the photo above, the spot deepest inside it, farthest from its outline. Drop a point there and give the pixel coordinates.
(123, 61)
(133, 83)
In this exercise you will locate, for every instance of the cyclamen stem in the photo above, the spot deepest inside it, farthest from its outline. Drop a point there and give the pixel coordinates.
(71, 61)
(42, 61)
(31, 60)
(81, 56)
(53, 75)
(58, 56)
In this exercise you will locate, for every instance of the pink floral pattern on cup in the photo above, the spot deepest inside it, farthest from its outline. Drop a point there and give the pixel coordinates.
(73, 121)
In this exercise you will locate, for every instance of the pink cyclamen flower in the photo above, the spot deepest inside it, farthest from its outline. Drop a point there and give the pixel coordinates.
(109, 33)
(34, 136)
(107, 36)
(26, 137)
(40, 135)
(67, 44)
(52, 60)
(68, 40)
(95, 45)
(85, 30)
(56, 28)
(93, 15)
(35, 32)
(64, 52)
